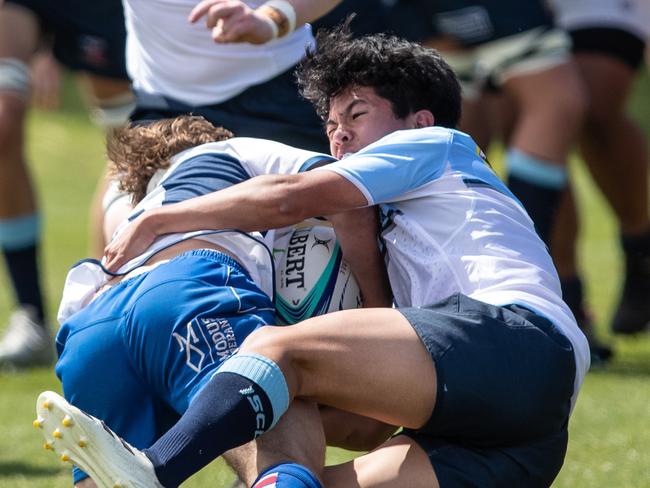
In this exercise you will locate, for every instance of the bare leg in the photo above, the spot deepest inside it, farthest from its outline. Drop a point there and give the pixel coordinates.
(378, 345)
(353, 432)
(298, 437)
(399, 462)
(612, 144)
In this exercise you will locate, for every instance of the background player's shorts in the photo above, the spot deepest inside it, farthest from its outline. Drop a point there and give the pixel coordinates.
(136, 356)
(272, 110)
(492, 63)
(505, 381)
(87, 35)
(632, 16)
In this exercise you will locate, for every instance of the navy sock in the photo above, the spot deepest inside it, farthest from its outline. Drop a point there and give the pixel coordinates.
(287, 475)
(22, 266)
(229, 411)
(541, 203)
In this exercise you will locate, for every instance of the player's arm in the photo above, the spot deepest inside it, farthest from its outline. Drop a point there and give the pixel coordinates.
(234, 21)
(263, 202)
(357, 231)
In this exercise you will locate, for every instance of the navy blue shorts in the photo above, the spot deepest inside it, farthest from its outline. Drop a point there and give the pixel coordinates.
(137, 355)
(272, 110)
(87, 35)
(505, 380)
(616, 43)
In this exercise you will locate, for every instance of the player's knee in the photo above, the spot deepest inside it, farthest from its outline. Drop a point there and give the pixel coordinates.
(267, 341)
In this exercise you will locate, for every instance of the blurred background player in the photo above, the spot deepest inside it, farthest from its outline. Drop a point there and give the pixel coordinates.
(85, 37)
(237, 63)
(514, 48)
(217, 64)
(609, 38)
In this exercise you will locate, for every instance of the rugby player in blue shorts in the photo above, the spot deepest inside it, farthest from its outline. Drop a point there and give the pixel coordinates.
(481, 361)
(153, 333)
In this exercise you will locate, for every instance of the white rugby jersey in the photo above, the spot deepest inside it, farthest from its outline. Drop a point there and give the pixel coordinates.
(192, 173)
(451, 225)
(167, 55)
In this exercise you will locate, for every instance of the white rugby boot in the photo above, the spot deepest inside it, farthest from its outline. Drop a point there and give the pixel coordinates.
(86, 442)
(26, 342)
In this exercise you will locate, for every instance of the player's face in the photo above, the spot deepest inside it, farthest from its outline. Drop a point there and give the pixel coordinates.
(358, 117)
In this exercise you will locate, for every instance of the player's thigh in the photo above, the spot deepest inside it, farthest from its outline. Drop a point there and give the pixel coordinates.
(608, 83)
(400, 462)
(560, 81)
(332, 358)
(19, 31)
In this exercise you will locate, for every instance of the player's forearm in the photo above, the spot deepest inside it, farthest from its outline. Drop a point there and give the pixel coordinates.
(357, 232)
(261, 203)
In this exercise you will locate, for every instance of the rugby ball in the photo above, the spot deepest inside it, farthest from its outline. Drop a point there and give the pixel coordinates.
(312, 278)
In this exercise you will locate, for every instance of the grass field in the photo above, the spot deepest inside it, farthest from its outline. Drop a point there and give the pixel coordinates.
(610, 429)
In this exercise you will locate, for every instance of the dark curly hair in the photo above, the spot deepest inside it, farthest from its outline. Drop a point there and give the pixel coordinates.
(410, 76)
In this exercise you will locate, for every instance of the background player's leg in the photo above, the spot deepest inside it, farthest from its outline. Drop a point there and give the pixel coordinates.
(26, 340)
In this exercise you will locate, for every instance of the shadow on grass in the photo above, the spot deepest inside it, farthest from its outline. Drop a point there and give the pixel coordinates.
(13, 468)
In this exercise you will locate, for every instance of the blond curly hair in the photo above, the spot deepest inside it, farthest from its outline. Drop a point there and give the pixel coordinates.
(136, 151)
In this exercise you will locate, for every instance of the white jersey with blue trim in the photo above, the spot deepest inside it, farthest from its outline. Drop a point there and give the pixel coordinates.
(451, 225)
(168, 55)
(192, 173)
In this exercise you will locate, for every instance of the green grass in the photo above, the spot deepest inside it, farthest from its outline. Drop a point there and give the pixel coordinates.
(610, 428)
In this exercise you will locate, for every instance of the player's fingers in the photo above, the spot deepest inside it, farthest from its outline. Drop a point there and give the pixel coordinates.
(202, 9)
(250, 30)
(228, 28)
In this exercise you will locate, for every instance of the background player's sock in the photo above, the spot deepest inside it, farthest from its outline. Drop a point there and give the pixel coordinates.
(287, 475)
(243, 399)
(18, 241)
(538, 184)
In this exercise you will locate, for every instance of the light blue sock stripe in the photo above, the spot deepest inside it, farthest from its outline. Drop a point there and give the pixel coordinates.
(535, 170)
(20, 232)
(266, 374)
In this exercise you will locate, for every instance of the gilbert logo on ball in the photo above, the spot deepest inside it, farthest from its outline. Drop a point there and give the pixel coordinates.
(312, 278)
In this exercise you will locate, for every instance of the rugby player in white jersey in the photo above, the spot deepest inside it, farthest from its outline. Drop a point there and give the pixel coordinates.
(481, 361)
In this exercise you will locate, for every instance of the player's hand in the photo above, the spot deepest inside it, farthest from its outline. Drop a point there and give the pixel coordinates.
(133, 241)
(233, 21)
(46, 81)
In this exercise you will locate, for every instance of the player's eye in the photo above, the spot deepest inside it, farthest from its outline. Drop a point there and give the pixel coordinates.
(356, 115)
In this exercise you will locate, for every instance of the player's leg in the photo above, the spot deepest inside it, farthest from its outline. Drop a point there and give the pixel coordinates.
(562, 244)
(292, 454)
(616, 152)
(329, 359)
(26, 341)
(549, 99)
(400, 461)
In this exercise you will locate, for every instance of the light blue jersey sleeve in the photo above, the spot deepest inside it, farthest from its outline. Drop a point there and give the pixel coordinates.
(397, 163)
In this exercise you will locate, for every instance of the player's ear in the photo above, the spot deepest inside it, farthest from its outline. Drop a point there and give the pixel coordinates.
(423, 118)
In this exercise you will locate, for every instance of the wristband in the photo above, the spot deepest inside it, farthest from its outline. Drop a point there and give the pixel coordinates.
(286, 20)
(275, 30)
